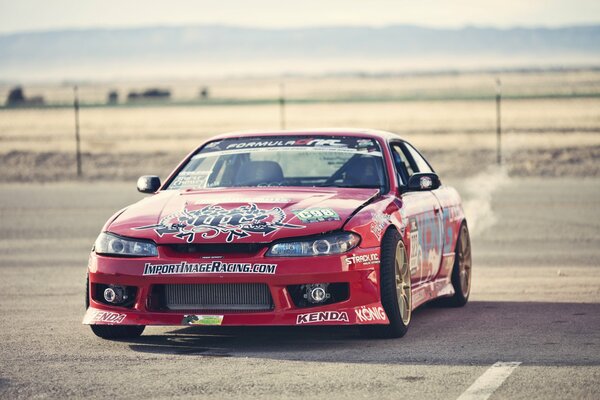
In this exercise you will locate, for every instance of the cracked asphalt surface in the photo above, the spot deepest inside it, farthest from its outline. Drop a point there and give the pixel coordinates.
(535, 299)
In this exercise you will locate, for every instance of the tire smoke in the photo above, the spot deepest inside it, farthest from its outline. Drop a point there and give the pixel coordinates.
(478, 194)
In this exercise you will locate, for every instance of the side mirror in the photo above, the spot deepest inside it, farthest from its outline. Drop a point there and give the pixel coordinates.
(423, 181)
(148, 183)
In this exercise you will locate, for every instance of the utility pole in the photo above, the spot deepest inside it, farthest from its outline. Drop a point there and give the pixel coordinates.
(498, 122)
(282, 105)
(77, 140)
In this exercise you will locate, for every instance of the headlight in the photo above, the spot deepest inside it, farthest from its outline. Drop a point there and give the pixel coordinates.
(110, 244)
(336, 243)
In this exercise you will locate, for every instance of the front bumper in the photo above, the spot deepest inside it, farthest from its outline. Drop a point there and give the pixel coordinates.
(359, 269)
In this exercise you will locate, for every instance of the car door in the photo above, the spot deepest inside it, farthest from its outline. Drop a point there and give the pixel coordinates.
(422, 213)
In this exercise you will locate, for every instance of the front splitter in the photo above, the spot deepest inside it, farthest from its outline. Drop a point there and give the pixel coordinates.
(363, 315)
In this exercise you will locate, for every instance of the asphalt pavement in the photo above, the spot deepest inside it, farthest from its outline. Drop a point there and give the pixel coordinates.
(535, 303)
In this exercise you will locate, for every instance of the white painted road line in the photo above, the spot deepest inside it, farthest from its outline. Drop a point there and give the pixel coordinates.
(491, 380)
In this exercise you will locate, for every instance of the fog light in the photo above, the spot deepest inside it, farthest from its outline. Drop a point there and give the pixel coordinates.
(316, 293)
(115, 294)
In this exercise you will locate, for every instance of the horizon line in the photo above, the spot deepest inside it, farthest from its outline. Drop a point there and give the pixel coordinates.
(292, 28)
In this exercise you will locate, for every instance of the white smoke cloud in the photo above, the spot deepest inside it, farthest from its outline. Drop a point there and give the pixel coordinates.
(478, 194)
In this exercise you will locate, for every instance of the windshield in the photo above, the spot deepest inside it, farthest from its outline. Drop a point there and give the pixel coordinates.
(316, 161)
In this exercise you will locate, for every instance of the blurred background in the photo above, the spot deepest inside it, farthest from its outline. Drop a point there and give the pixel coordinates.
(154, 79)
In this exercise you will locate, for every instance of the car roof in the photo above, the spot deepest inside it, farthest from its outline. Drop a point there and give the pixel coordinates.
(372, 133)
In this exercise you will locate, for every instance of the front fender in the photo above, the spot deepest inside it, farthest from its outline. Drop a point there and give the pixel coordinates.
(372, 221)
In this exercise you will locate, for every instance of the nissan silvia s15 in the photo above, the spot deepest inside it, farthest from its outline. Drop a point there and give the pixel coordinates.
(328, 227)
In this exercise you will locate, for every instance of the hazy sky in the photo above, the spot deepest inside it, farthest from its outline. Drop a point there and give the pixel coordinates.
(27, 15)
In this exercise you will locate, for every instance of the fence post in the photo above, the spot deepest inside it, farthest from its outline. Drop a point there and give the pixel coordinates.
(498, 122)
(77, 140)
(282, 105)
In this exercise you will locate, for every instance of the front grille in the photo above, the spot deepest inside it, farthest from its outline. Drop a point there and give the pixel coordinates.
(217, 297)
(216, 248)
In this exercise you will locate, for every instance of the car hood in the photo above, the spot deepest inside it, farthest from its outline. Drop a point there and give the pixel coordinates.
(239, 215)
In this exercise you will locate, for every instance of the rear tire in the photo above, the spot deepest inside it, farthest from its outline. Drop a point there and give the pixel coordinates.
(118, 331)
(395, 289)
(461, 272)
(87, 292)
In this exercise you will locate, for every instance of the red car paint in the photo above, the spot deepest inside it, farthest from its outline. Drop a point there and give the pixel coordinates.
(428, 221)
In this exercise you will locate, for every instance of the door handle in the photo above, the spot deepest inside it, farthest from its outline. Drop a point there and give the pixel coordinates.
(436, 209)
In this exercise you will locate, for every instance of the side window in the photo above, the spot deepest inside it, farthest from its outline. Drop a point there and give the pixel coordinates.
(420, 165)
(403, 167)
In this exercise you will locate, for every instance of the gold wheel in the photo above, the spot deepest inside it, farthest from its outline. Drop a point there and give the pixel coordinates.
(403, 293)
(464, 261)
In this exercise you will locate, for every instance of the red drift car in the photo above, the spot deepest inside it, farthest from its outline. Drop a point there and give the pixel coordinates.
(304, 228)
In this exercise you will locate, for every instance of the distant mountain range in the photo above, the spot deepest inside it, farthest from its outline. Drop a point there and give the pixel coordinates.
(220, 50)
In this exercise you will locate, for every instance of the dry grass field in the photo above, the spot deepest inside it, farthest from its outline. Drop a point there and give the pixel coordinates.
(451, 85)
(551, 121)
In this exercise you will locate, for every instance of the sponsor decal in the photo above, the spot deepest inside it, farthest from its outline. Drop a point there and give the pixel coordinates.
(365, 259)
(448, 262)
(212, 145)
(418, 297)
(450, 215)
(369, 314)
(403, 220)
(311, 215)
(108, 316)
(290, 142)
(425, 182)
(346, 150)
(323, 316)
(190, 179)
(416, 254)
(426, 238)
(362, 143)
(432, 264)
(214, 267)
(214, 220)
(202, 320)
(380, 220)
(373, 151)
(282, 143)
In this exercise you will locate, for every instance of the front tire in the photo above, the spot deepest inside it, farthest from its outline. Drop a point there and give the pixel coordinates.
(395, 289)
(118, 331)
(112, 331)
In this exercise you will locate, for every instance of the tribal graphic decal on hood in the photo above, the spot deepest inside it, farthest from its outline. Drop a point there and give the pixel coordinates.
(213, 220)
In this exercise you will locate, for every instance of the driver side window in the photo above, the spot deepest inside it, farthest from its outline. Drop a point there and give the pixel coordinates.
(403, 166)
(408, 161)
(419, 162)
